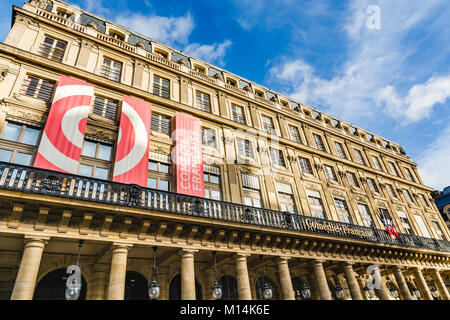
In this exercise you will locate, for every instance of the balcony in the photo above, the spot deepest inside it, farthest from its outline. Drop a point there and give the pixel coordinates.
(45, 182)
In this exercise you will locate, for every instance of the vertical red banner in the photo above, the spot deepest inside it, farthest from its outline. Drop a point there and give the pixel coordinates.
(188, 155)
(62, 139)
(131, 163)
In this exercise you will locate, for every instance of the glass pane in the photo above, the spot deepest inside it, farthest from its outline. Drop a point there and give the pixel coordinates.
(214, 179)
(11, 132)
(101, 173)
(248, 201)
(215, 195)
(206, 177)
(257, 203)
(5, 155)
(23, 159)
(164, 185)
(152, 166)
(151, 183)
(104, 152)
(207, 193)
(163, 168)
(89, 149)
(85, 170)
(30, 136)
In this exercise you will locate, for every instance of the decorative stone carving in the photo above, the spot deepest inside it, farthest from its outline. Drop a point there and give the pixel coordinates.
(40, 3)
(101, 134)
(229, 140)
(30, 101)
(3, 72)
(25, 114)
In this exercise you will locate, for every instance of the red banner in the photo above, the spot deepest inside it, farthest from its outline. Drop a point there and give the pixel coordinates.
(188, 155)
(62, 139)
(131, 164)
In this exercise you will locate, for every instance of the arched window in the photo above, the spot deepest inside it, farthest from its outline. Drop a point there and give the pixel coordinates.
(136, 286)
(53, 286)
(229, 288)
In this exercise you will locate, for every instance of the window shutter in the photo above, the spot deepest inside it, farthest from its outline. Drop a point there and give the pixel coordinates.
(249, 181)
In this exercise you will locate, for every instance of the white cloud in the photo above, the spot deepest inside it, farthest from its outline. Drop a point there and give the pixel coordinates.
(168, 30)
(366, 83)
(213, 53)
(420, 100)
(434, 162)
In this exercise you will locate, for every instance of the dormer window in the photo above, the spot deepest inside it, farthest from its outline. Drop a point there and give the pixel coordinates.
(64, 13)
(117, 36)
(259, 93)
(232, 82)
(200, 69)
(162, 54)
(284, 103)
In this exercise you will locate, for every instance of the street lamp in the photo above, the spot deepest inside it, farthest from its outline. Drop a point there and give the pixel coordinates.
(267, 289)
(338, 289)
(392, 290)
(73, 283)
(217, 287)
(154, 288)
(305, 291)
(369, 291)
(435, 293)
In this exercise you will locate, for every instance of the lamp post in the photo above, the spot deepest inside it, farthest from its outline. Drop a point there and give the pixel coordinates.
(73, 283)
(154, 288)
(393, 291)
(338, 289)
(305, 291)
(217, 287)
(369, 291)
(267, 289)
(434, 292)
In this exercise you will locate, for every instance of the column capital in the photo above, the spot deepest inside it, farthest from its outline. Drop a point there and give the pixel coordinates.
(118, 246)
(183, 252)
(241, 255)
(34, 241)
(283, 258)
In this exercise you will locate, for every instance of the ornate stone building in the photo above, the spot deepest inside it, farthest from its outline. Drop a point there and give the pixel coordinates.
(293, 196)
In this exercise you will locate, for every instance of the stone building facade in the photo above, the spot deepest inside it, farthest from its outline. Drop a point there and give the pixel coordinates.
(292, 195)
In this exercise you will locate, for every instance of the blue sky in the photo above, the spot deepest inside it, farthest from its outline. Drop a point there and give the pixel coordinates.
(393, 80)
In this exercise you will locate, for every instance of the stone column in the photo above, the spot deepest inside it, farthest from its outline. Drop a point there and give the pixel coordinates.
(362, 284)
(243, 282)
(313, 287)
(321, 280)
(352, 282)
(381, 291)
(99, 283)
(116, 288)
(285, 279)
(404, 290)
(440, 285)
(423, 287)
(29, 266)
(187, 275)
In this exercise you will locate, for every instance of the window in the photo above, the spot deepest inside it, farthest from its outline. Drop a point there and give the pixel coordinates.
(376, 162)
(106, 108)
(373, 185)
(305, 165)
(277, 157)
(162, 54)
(365, 214)
(238, 114)
(231, 82)
(199, 69)
(405, 222)
(391, 191)
(95, 160)
(407, 195)
(286, 197)
(295, 134)
(209, 137)
(409, 175)
(211, 177)
(159, 172)
(38, 88)
(329, 171)
(63, 13)
(352, 179)
(341, 206)
(15, 157)
(438, 230)
(315, 201)
(268, 125)
(251, 191)
(202, 101)
(111, 69)
(423, 228)
(340, 150)
(319, 142)
(117, 36)
(393, 169)
(245, 148)
(424, 200)
(20, 133)
(52, 49)
(160, 123)
(359, 157)
(161, 87)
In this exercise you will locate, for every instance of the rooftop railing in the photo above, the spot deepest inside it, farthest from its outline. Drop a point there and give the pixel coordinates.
(40, 181)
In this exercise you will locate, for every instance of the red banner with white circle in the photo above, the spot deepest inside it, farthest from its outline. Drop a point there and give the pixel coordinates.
(131, 163)
(62, 139)
(188, 157)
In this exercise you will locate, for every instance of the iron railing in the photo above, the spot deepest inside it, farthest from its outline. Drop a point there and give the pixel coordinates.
(47, 182)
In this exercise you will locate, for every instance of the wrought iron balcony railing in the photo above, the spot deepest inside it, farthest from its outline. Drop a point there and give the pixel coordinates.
(46, 182)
